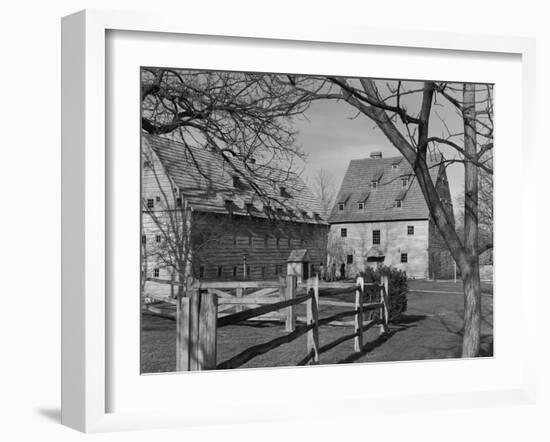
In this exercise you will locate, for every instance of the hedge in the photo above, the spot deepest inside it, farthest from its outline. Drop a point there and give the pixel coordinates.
(397, 287)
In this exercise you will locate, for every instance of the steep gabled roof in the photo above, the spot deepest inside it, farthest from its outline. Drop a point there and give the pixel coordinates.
(207, 183)
(380, 202)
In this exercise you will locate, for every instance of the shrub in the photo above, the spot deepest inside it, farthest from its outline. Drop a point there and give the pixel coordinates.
(397, 288)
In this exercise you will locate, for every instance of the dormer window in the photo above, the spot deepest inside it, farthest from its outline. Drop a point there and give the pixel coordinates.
(236, 181)
(343, 200)
(374, 184)
(360, 206)
(394, 166)
(399, 204)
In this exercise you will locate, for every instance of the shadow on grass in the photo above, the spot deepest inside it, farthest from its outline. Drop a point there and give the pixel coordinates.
(404, 322)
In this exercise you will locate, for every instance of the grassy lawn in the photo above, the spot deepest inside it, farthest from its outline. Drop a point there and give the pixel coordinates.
(430, 329)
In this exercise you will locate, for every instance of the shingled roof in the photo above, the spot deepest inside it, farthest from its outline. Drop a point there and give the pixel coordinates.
(379, 204)
(206, 181)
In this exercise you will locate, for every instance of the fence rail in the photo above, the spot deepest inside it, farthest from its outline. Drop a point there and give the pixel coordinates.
(198, 317)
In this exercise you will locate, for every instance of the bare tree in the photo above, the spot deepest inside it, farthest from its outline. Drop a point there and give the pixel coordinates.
(324, 189)
(388, 104)
(246, 118)
(485, 212)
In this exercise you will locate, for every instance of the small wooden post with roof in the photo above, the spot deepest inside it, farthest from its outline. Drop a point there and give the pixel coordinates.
(298, 264)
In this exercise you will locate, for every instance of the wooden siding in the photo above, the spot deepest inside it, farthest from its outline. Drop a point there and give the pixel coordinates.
(221, 240)
(266, 245)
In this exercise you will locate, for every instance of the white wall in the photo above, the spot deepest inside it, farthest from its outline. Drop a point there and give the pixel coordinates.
(30, 78)
(394, 240)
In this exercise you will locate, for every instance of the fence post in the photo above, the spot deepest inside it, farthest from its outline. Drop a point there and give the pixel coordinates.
(290, 293)
(208, 316)
(239, 294)
(194, 309)
(312, 317)
(182, 334)
(358, 342)
(384, 296)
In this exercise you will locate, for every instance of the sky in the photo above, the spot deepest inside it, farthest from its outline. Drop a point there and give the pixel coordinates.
(331, 137)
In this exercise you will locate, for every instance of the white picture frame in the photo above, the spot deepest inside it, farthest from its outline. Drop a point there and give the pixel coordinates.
(85, 233)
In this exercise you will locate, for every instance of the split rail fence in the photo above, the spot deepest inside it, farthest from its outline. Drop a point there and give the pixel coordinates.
(212, 305)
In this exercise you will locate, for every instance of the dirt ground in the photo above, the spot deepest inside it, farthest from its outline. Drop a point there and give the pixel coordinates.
(430, 329)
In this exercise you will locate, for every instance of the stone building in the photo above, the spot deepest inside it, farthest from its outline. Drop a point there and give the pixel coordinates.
(380, 217)
(202, 219)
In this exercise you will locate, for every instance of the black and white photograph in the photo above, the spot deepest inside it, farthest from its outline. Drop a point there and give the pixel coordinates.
(292, 219)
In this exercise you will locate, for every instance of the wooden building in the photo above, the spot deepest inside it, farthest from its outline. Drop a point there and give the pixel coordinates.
(201, 218)
(380, 217)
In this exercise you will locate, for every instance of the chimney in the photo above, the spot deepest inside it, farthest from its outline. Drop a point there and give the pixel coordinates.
(376, 155)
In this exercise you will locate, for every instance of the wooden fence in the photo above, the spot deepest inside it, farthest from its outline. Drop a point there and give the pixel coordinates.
(200, 315)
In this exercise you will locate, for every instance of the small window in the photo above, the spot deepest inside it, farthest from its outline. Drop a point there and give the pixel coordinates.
(220, 271)
(235, 181)
(349, 259)
(278, 241)
(360, 206)
(278, 270)
(399, 204)
(344, 233)
(158, 238)
(250, 240)
(374, 184)
(266, 241)
(150, 203)
(410, 230)
(201, 272)
(248, 271)
(376, 236)
(234, 240)
(234, 271)
(394, 166)
(404, 182)
(143, 239)
(156, 272)
(158, 199)
(340, 206)
(263, 272)
(179, 202)
(404, 257)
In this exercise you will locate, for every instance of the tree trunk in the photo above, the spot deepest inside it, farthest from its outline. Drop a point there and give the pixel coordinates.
(472, 312)
(470, 272)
